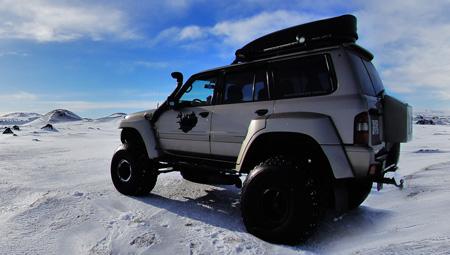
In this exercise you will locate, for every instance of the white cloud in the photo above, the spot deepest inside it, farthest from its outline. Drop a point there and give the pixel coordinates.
(236, 32)
(410, 41)
(53, 21)
(241, 31)
(191, 33)
(179, 34)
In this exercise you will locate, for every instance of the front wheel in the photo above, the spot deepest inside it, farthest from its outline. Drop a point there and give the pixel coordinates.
(132, 174)
(280, 202)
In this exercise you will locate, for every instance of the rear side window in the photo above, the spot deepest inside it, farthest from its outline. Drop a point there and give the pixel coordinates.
(367, 76)
(308, 76)
(245, 86)
(374, 77)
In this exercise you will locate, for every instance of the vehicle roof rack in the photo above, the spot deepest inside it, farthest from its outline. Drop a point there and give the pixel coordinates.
(308, 36)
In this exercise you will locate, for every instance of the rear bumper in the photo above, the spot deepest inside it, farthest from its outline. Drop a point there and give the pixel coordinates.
(360, 159)
(365, 162)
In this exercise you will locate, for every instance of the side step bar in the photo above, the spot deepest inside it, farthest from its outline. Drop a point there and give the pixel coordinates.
(204, 174)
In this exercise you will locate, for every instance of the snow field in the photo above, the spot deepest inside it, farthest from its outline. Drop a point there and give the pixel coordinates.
(56, 197)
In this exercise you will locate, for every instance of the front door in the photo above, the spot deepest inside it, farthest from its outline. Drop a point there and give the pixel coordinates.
(186, 129)
(244, 97)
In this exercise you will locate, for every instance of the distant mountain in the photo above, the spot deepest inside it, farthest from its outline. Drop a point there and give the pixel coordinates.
(432, 117)
(19, 118)
(61, 115)
(117, 115)
(52, 117)
(21, 115)
(56, 116)
(114, 116)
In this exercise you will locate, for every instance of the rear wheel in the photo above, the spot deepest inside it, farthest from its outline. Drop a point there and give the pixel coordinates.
(132, 174)
(280, 201)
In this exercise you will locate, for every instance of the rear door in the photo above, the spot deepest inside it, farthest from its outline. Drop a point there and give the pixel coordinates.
(244, 96)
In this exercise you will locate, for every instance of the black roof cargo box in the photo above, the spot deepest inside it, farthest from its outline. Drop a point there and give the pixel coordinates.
(317, 34)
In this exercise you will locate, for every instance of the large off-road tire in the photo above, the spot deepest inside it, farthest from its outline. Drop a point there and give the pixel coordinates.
(358, 190)
(132, 174)
(280, 201)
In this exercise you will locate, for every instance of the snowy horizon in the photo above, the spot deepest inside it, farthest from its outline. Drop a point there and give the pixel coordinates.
(416, 112)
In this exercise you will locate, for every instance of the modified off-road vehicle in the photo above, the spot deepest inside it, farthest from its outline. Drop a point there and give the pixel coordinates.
(301, 112)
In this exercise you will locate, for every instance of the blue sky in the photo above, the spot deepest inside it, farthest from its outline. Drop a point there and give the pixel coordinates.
(100, 57)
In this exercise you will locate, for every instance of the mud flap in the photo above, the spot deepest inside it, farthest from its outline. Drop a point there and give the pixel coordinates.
(340, 196)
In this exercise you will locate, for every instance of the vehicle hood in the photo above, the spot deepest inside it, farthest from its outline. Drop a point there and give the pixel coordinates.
(138, 116)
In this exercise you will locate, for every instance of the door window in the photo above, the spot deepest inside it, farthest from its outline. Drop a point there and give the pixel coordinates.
(199, 92)
(261, 91)
(245, 86)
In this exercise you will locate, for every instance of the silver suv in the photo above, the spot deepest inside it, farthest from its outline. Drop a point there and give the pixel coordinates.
(301, 112)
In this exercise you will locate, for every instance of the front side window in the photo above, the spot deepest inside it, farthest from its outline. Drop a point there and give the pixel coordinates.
(308, 76)
(199, 92)
(245, 86)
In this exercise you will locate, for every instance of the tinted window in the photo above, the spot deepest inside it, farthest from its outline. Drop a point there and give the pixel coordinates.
(362, 76)
(303, 77)
(245, 86)
(374, 77)
(261, 91)
(199, 92)
(367, 76)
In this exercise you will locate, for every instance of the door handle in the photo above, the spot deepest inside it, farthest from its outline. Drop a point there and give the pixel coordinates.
(261, 112)
(204, 114)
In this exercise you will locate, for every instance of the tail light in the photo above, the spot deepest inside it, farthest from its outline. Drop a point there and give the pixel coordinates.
(361, 130)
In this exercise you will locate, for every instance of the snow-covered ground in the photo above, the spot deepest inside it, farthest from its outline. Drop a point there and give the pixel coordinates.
(56, 197)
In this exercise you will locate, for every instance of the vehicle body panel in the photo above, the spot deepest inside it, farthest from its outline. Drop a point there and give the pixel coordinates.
(192, 136)
(139, 122)
(230, 123)
(317, 126)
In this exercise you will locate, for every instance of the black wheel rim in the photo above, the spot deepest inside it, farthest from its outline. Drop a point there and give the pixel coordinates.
(124, 170)
(275, 204)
